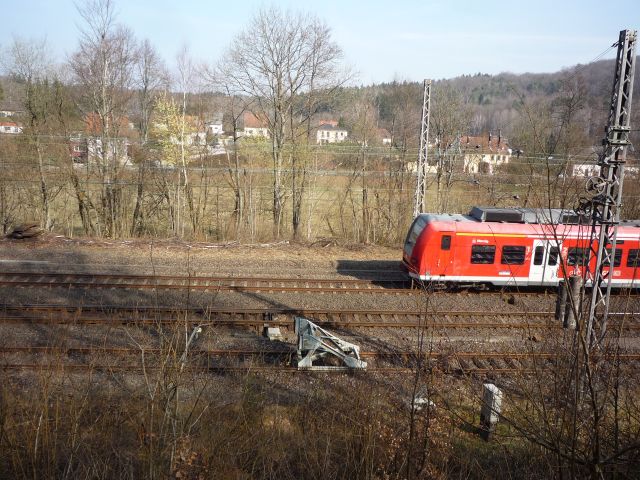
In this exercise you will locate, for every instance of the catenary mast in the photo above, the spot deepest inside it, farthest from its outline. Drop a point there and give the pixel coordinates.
(421, 184)
(606, 202)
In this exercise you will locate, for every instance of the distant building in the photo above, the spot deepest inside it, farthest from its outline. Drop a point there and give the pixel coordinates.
(592, 169)
(482, 154)
(385, 136)
(329, 132)
(255, 125)
(10, 128)
(78, 148)
(6, 113)
(585, 170)
(10, 108)
(84, 149)
(214, 125)
(120, 126)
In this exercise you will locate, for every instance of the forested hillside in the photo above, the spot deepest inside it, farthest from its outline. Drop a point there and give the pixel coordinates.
(499, 102)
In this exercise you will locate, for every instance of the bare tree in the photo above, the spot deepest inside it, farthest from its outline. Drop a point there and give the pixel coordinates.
(282, 60)
(153, 78)
(28, 63)
(218, 77)
(363, 128)
(450, 118)
(185, 68)
(103, 67)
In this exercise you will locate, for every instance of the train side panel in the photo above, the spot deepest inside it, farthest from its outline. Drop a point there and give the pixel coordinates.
(511, 253)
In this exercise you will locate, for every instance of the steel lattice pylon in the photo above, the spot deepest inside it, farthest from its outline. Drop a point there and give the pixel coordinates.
(421, 184)
(606, 202)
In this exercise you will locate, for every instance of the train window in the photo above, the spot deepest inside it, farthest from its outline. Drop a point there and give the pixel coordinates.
(414, 233)
(578, 256)
(633, 260)
(617, 260)
(553, 256)
(445, 243)
(538, 255)
(512, 255)
(483, 254)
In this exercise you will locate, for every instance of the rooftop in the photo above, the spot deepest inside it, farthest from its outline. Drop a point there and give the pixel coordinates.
(488, 142)
(331, 128)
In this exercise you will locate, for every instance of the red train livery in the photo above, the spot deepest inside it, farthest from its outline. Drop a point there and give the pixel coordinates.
(516, 247)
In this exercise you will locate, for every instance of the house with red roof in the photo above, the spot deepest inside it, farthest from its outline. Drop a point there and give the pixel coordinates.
(482, 154)
(329, 132)
(255, 125)
(12, 128)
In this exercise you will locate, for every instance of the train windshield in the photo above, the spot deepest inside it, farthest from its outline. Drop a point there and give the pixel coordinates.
(416, 229)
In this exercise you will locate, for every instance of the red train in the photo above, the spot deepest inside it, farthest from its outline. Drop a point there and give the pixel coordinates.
(512, 247)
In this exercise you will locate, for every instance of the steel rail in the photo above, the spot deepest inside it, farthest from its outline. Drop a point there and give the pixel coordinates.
(131, 369)
(257, 317)
(225, 283)
(101, 350)
(231, 283)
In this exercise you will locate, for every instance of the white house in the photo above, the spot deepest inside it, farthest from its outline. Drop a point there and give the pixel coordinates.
(593, 170)
(484, 153)
(10, 127)
(88, 149)
(330, 133)
(214, 125)
(254, 126)
(384, 136)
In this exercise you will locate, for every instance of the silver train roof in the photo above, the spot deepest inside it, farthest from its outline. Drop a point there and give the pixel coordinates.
(519, 215)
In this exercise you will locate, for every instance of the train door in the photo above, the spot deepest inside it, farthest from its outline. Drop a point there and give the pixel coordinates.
(544, 262)
(445, 258)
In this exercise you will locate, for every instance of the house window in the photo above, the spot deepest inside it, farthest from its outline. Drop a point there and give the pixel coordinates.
(483, 254)
(445, 243)
(513, 255)
(578, 256)
(538, 255)
(633, 260)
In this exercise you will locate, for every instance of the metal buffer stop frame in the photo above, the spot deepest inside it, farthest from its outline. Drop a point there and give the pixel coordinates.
(315, 343)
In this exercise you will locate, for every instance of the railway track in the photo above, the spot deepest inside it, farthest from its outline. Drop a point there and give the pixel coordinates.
(206, 283)
(101, 350)
(214, 360)
(391, 284)
(283, 317)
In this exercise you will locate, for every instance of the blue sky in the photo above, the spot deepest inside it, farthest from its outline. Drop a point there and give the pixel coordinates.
(382, 40)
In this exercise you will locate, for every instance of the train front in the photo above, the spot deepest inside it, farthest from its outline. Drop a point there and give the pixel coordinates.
(413, 255)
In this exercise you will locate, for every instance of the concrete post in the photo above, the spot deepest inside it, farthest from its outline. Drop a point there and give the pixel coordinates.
(561, 302)
(491, 408)
(575, 289)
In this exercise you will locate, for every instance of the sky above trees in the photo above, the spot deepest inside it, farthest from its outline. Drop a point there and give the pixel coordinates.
(406, 39)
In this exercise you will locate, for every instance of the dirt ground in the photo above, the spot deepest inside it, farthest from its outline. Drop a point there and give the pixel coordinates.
(51, 253)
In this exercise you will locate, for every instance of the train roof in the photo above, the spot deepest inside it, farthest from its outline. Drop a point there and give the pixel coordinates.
(544, 216)
(479, 217)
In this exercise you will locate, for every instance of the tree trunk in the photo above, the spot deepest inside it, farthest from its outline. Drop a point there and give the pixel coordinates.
(136, 221)
(44, 191)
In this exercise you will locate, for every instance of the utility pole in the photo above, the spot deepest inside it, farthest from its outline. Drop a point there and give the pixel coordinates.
(606, 202)
(421, 185)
